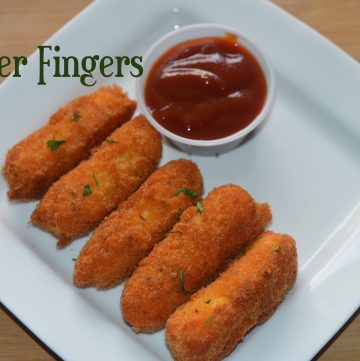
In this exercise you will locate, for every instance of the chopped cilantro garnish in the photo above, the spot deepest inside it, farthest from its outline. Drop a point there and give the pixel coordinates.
(200, 207)
(96, 180)
(188, 192)
(74, 259)
(171, 231)
(111, 141)
(75, 116)
(182, 283)
(210, 318)
(87, 190)
(208, 301)
(54, 144)
(277, 249)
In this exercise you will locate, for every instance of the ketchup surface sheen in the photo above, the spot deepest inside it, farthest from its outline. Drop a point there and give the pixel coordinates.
(206, 88)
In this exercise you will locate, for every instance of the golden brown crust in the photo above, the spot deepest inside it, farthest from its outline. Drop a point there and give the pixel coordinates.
(113, 172)
(129, 233)
(210, 325)
(31, 166)
(231, 219)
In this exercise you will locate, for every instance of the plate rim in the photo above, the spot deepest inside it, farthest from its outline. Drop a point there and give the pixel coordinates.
(90, 7)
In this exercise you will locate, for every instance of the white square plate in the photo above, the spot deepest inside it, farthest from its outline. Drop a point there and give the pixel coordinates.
(305, 161)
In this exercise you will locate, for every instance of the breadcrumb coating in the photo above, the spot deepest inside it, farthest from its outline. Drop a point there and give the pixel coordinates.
(79, 200)
(129, 233)
(211, 232)
(210, 325)
(32, 165)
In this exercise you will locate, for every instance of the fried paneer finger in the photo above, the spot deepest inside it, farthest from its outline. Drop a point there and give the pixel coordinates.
(189, 258)
(210, 325)
(32, 165)
(80, 199)
(130, 233)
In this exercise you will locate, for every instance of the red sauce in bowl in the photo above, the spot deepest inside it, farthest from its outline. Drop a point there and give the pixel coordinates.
(206, 88)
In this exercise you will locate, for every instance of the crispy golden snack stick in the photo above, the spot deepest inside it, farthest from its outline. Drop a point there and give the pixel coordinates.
(37, 161)
(129, 233)
(210, 325)
(80, 199)
(205, 238)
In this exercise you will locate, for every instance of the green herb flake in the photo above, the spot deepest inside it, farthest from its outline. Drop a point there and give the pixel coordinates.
(277, 249)
(75, 116)
(188, 192)
(74, 259)
(182, 283)
(208, 301)
(200, 207)
(141, 217)
(97, 182)
(54, 144)
(111, 141)
(87, 190)
(171, 231)
(210, 319)
(181, 274)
